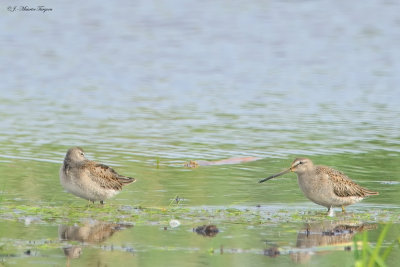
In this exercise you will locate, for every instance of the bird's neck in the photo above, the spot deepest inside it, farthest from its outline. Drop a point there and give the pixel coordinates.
(308, 174)
(68, 164)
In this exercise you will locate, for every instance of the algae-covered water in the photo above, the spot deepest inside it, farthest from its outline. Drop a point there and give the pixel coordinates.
(147, 86)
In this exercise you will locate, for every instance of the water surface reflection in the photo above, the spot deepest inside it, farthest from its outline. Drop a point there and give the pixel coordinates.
(333, 235)
(90, 233)
(321, 238)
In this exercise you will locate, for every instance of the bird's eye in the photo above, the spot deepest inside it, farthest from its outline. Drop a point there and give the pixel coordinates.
(300, 162)
(82, 154)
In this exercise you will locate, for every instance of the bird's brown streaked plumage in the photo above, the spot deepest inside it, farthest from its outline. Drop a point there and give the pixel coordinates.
(342, 185)
(324, 185)
(106, 176)
(89, 179)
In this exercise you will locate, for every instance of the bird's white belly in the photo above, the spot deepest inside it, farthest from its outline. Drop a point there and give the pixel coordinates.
(89, 191)
(322, 194)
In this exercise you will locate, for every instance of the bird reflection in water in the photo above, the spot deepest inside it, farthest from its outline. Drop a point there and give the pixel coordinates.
(91, 233)
(329, 234)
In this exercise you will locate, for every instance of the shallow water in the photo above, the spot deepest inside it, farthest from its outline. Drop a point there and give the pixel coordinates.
(150, 86)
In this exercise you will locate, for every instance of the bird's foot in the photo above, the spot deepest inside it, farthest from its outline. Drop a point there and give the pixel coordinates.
(101, 202)
(90, 204)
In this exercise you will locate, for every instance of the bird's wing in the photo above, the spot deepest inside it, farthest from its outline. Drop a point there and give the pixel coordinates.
(343, 186)
(104, 176)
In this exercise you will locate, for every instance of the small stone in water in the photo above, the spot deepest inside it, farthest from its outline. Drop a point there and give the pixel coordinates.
(174, 223)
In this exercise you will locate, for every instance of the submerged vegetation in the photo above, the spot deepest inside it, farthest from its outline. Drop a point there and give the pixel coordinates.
(81, 227)
(75, 213)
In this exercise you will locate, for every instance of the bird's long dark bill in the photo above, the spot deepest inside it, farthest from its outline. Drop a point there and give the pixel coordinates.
(275, 175)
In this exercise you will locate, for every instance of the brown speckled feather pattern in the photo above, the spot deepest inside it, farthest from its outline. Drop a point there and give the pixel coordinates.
(88, 179)
(342, 185)
(325, 186)
(105, 176)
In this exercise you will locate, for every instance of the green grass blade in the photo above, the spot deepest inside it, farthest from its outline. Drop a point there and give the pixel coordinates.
(365, 245)
(375, 253)
(356, 252)
(387, 251)
(375, 258)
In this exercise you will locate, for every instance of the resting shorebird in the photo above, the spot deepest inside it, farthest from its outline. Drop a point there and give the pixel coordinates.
(325, 186)
(88, 179)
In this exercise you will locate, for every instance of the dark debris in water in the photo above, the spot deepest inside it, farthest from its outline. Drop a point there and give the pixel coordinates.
(206, 230)
(272, 252)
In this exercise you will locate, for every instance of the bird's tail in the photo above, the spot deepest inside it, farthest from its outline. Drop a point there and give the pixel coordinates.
(126, 180)
(369, 192)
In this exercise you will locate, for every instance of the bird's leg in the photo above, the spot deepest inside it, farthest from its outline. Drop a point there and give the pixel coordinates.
(331, 213)
(343, 210)
(101, 202)
(307, 231)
